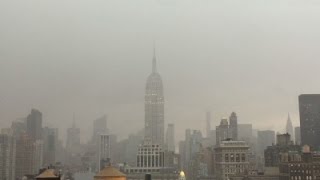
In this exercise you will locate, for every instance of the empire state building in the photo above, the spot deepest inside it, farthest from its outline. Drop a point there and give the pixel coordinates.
(154, 106)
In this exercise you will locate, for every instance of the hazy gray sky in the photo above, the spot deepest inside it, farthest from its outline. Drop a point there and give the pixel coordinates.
(92, 57)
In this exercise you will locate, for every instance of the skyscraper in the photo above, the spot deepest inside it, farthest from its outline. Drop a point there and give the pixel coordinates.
(208, 127)
(154, 106)
(222, 131)
(99, 127)
(50, 143)
(233, 126)
(289, 127)
(34, 124)
(170, 138)
(309, 107)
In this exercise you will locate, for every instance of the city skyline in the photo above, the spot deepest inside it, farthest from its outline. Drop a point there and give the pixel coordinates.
(159, 89)
(99, 67)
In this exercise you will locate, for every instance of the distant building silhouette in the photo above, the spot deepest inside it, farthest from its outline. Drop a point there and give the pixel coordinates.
(99, 127)
(154, 106)
(265, 139)
(34, 124)
(309, 107)
(50, 143)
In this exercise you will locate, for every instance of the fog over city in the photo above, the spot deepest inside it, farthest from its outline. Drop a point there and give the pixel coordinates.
(91, 58)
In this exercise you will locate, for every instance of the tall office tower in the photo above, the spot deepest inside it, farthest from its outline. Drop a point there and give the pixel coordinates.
(208, 127)
(231, 157)
(170, 138)
(265, 139)
(7, 157)
(24, 156)
(50, 143)
(104, 152)
(99, 127)
(309, 107)
(233, 126)
(37, 156)
(222, 131)
(154, 106)
(289, 127)
(73, 138)
(297, 135)
(34, 124)
(245, 132)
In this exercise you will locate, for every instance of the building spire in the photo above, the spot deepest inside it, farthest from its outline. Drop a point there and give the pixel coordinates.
(154, 60)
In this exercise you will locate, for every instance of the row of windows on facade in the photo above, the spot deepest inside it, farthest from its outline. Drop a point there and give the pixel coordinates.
(143, 170)
(150, 149)
(235, 158)
(150, 161)
(233, 171)
(300, 178)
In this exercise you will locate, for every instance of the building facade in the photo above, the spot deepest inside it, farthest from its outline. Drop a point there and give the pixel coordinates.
(104, 151)
(309, 108)
(24, 156)
(37, 156)
(303, 165)
(7, 157)
(284, 145)
(231, 157)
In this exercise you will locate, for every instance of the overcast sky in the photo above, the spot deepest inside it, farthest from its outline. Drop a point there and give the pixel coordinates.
(92, 57)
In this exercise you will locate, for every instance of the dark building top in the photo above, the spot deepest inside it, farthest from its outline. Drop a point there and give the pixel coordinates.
(309, 108)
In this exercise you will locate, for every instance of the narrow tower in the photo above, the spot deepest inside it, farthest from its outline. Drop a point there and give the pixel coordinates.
(289, 127)
(234, 126)
(154, 106)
